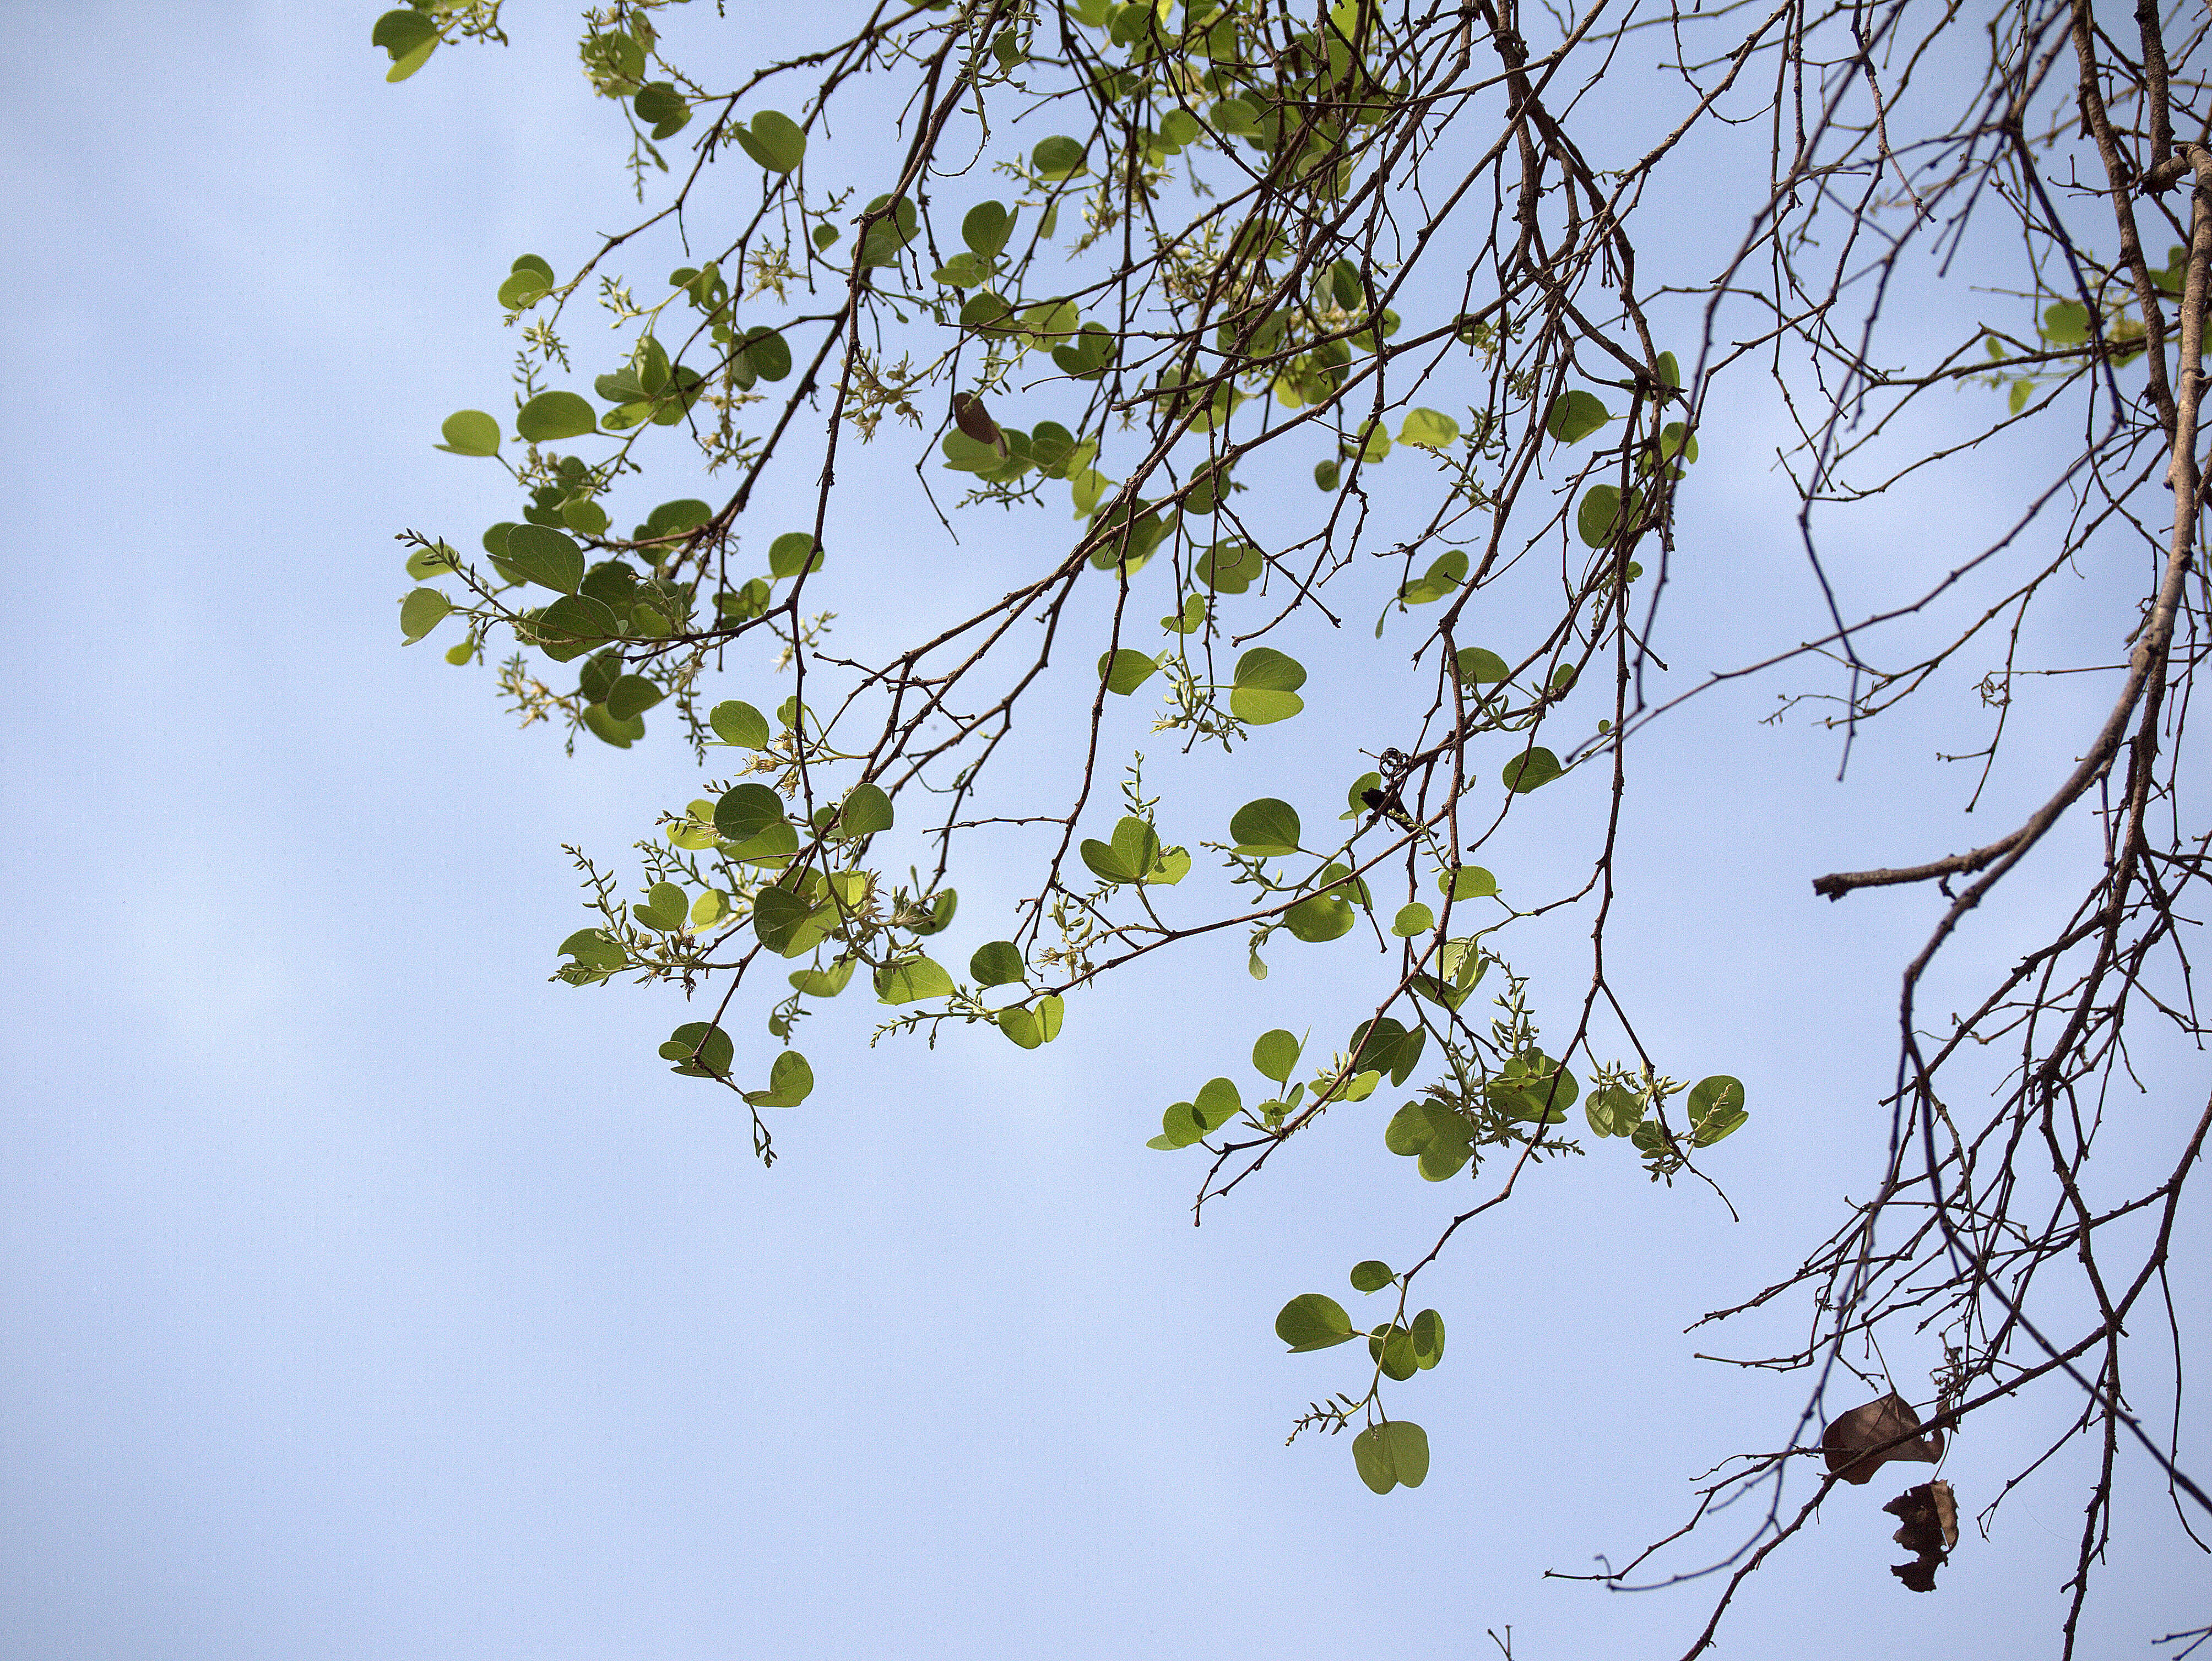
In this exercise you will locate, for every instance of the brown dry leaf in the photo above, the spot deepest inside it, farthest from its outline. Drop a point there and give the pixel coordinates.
(969, 416)
(1849, 1438)
(1928, 1524)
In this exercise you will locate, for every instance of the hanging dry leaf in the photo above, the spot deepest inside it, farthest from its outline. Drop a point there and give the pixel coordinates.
(969, 416)
(1929, 1524)
(1848, 1439)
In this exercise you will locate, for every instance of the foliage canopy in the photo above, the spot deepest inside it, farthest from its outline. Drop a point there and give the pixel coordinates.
(1219, 328)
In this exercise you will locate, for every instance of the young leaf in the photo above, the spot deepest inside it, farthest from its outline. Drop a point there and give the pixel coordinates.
(1275, 1055)
(774, 140)
(1265, 688)
(1574, 416)
(1266, 828)
(997, 963)
(471, 433)
(1372, 1275)
(551, 415)
(1313, 1321)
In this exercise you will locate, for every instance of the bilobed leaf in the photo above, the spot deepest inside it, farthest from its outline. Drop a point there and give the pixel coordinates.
(409, 36)
(545, 556)
(1266, 829)
(1275, 1055)
(1408, 1446)
(1056, 158)
(1393, 1347)
(1313, 1320)
(1428, 1336)
(1414, 919)
(1265, 687)
(1372, 1459)
(1021, 1027)
(739, 722)
(747, 810)
(867, 811)
(1105, 862)
(1467, 882)
(632, 695)
(1322, 918)
(2066, 323)
(572, 625)
(551, 415)
(1716, 1106)
(767, 353)
(471, 433)
(1051, 1011)
(912, 979)
(997, 963)
(1476, 667)
(1532, 769)
(779, 915)
(420, 611)
(1124, 669)
(986, 228)
(1372, 1275)
(1229, 568)
(1576, 415)
(699, 1049)
(1428, 429)
(790, 1080)
(774, 140)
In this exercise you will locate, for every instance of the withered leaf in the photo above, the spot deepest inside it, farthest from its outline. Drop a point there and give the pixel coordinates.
(1929, 1524)
(1849, 1438)
(969, 416)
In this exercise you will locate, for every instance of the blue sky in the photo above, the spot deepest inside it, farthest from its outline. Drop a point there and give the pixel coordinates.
(366, 1295)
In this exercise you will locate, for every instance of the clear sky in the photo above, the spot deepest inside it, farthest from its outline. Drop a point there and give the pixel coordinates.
(367, 1296)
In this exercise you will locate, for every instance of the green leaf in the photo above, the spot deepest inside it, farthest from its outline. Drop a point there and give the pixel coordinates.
(1408, 1446)
(1442, 577)
(595, 950)
(1265, 688)
(1613, 1111)
(1230, 567)
(1467, 882)
(997, 963)
(661, 107)
(1266, 829)
(1275, 1055)
(1717, 1110)
(1428, 429)
(608, 731)
(912, 979)
(888, 235)
(986, 228)
(1574, 416)
(699, 1049)
(790, 1080)
(1669, 370)
(774, 140)
(471, 433)
(631, 696)
(783, 920)
(1327, 474)
(746, 811)
(524, 286)
(1051, 1011)
(420, 612)
(1414, 919)
(767, 353)
(1372, 1460)
(1313, 1320)
(546, 557)
(1393, 1347)
(1056, 158)
(572, 625)
(1021, 1027)
(1105, 862)
(410, 37)
(739, 724)
(1476, 667)
(551, 415)
(1124, 669)
(1531, 770)
(1322, 918)
(867, 811)
(2066, 323)
(1372, 1275)
(1428, 1336)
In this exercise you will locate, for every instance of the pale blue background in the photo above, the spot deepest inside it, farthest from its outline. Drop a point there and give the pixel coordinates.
(367, 1296)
